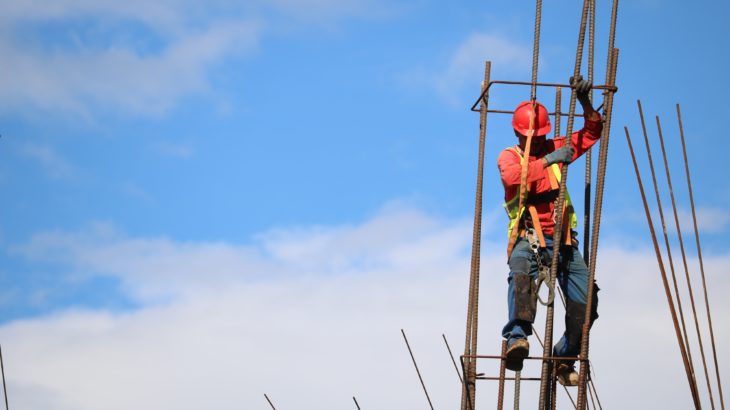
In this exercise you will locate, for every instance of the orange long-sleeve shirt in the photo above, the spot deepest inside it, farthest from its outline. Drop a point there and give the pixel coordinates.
(537, 176)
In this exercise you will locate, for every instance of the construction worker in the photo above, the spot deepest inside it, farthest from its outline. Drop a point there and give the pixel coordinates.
(531, 230)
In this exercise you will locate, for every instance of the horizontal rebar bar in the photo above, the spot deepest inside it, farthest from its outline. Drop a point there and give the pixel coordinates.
(549, 358)
(604, 87)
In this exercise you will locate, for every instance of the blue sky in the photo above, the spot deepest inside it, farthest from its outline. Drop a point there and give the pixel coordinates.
(163, 160)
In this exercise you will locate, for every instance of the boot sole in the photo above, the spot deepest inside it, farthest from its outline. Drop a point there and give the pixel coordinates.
(515, 358)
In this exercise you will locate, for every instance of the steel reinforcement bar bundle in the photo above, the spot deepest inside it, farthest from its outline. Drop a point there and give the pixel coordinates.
(674, 300)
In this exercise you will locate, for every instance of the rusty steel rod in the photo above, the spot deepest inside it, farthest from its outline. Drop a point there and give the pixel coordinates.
(536, 48)
(548, 358)
(699, 254)
(597, 211)
(666, 242)
(539, 84)
(356, 403)
(537, 335)
(470, 405)
(558, 113)
(592, 385)
(269, 400)
(452, 359)
(500, 391)
(496, 378)
(545, 393)
(2, 370)
(554, 114)
(518, 379)
(662, 272)
(470, 343)
(593, 401)
(589, 153)
(686, 269)
(425, 391)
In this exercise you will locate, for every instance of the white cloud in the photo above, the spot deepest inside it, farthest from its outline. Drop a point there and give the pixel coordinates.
(320, 9)
(710, 220)
(51, 161)
(311, 316)
(138, 57)
(117, 76)
(466, 64)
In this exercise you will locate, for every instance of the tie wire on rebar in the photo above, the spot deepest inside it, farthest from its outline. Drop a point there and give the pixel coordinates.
(699, 254)
(663, 274)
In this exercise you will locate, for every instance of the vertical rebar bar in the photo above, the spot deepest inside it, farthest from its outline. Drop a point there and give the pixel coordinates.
(662, 272)
(470, 405)
(597, 210)
(536, 48)
(470, 344)
(593, 401)
(699, 254)
(500, 391)
(589, 154)
(666, 242)
(518, 376)
(554, 389)
(686, 269)
(537, 336)
(425, 391)
(611, 67)
(558, 113)
(545, 400)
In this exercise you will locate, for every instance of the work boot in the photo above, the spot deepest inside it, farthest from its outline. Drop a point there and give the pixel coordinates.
(517, 350)
(567, 376)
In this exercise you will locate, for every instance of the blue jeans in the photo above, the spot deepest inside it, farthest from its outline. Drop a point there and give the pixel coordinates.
(572, 278)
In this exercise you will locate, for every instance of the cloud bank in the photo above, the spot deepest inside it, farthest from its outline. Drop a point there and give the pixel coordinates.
(311, 316)
(134, 57)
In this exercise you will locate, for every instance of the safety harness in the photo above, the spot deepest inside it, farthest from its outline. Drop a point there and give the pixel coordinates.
(530, 228)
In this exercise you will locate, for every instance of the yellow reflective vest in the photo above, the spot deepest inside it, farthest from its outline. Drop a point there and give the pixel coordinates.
(515, 212)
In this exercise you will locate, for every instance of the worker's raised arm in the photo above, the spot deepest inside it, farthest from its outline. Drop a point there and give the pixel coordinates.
(593, 125)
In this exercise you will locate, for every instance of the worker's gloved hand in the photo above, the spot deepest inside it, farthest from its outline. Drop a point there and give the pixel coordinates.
(561, 155)
(582, 87)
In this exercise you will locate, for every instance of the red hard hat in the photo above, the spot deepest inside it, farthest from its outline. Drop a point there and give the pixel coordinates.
(521, 119)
